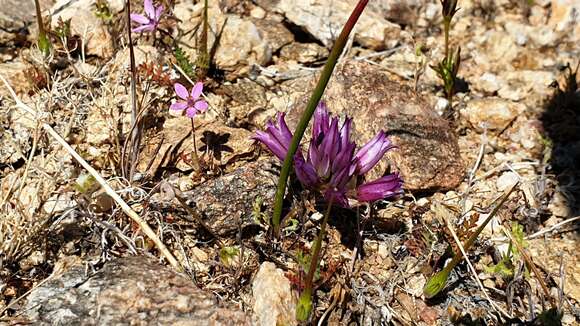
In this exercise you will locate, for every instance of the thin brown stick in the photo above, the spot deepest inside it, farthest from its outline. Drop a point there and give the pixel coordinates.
(532, 266)
(136, 131)
(124, 206)
(473, 271)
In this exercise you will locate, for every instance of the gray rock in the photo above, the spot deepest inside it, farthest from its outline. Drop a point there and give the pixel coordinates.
(132, 290)
(324, 20)
(226, 203)
(428, 155)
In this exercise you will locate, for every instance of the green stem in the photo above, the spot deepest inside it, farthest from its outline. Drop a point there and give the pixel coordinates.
(310, 107)
(43, 41)
(305, 302)
(446, 27)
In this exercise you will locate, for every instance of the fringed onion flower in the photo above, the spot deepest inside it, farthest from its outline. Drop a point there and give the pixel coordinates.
(332, 166)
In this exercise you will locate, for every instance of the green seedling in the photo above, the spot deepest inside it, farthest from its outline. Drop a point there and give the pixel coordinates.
(184, 63)
(438, 281)
(506, 266)
(102, 11)
(258, 216)
(228, 255)
(448, 68)
(86, 184)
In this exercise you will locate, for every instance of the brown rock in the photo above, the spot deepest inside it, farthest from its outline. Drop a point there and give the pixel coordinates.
(84, 23)
(428, 155)
(226, 203)
(216, 144)
(304, 52)
(132, 290)
(492, 113)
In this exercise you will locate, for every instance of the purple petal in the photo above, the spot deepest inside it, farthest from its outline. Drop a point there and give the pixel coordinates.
(313, 154)
(196, 90)
(139, 19)
(343, 160)
(384, 187)
(178, 106)
(283, 127)
(272, 143)
(281, 132)
(190, 112)
(371, 153)
(305, 172)
(320, 124)
(143, 28)
(158, 12)
(337, 197)
(149, 9)
(345, 132)
(181, 91)
(201, 105)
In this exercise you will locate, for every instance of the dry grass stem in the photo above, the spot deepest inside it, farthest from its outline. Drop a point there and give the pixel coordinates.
(124, 206)
(473, 271)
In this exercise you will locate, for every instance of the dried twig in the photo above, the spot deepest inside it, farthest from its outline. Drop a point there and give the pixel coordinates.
(124, 206)
(531, 264)
(552, 228)
(473, 271)
(136, 131)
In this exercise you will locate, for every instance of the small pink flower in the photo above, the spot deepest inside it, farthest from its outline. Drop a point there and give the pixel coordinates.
(148, 23)
(192, 104)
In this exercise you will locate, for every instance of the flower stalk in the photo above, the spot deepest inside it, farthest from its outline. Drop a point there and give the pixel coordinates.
(309, 111)
(304, 306)
(43, 41)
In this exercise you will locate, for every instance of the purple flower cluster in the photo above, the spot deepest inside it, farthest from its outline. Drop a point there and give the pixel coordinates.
(149, 22)
(332, 166)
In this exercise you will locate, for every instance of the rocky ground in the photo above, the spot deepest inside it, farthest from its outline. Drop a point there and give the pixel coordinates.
(69, 254)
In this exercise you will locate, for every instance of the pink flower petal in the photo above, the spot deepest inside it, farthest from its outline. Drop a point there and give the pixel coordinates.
(158, 12)
(149, 9)
(201, 105)
(196, 90)
(139, 19)
(190, 112)
(181, 91)
(143, 28)
(178, 106)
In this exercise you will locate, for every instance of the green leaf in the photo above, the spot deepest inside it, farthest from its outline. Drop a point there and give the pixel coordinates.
(436, 283)
(184, 63)
(228, 254)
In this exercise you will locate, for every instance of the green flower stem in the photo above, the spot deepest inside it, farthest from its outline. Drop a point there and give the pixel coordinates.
(43, 41)
(305, 302)
(437, 282)
(310, 107)
(446, 28)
